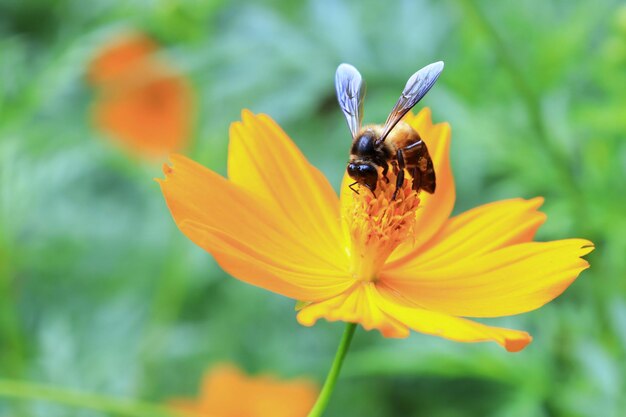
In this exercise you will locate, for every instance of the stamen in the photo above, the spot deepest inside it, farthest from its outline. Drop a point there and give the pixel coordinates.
(377, 224)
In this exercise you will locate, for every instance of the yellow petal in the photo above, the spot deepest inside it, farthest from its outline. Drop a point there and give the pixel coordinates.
(359, 304)
(449, 327)
(435, 208)
(507, 281)
(376, 306)
(264, 161)
(477, 231)
(244, 234)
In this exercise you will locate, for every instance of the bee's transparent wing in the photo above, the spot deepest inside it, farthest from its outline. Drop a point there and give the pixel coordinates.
(350, 93)
(415, 89)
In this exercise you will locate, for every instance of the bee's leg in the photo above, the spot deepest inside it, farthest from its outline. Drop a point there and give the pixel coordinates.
(394, 164)
(400, 177)
(351, 186)
(385, 170)
(417, 179)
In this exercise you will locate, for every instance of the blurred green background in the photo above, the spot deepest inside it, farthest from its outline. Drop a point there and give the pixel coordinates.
(100, 292)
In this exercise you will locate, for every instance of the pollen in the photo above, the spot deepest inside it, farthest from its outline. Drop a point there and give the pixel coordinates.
(377, 225)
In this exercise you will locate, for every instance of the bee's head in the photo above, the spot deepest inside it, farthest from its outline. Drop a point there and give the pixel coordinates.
(364, 144)
(363, 173)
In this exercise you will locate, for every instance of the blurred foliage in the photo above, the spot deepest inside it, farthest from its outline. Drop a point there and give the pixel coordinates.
(99, 291)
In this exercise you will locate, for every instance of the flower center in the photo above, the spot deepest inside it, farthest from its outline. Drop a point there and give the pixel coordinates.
(377, 224)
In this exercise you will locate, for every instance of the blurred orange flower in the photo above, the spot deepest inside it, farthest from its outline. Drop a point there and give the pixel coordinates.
(120, 57)
(227, 392)
(141, 102)
(391, 265)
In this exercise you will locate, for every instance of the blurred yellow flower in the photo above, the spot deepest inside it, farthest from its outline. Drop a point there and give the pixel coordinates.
(227, 392)
(142, 102)
(389, 265)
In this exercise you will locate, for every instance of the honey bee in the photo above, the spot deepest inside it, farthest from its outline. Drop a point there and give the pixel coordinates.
(395, 143)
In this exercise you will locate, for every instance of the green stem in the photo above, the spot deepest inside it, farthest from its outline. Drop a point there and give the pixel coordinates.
(333, 374)
(119, 407)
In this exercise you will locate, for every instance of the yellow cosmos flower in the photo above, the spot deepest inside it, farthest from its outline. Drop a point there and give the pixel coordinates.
(391, 265)
(227, 392)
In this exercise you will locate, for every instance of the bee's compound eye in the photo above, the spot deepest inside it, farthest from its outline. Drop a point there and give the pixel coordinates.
(366, 169)
(361, 170)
